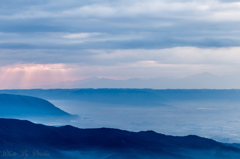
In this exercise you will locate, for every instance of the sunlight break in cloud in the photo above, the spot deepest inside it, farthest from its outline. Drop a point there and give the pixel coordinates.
(29, 75)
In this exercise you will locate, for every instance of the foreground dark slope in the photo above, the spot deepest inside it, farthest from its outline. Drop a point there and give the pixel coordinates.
(71, 142)
(17, 106)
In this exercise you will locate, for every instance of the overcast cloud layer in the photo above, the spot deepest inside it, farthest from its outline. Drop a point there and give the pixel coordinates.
(58, 24)
(117, 39)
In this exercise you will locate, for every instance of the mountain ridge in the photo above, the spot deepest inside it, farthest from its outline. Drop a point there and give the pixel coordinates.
(62, 142)
(203, 80)
(15, 106)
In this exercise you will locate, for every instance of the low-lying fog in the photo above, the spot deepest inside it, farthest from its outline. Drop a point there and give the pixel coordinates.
(217, 120)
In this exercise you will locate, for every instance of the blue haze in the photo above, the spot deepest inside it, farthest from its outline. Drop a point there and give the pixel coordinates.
(208, 113)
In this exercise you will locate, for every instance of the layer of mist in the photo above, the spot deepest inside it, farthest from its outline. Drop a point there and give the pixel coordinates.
(208, 113)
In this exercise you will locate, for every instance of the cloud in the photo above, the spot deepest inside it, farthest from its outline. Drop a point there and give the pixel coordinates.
(227, 58)
(119, 24)
(212, 9)
(115, 38)
(80, 35)
(176, 55)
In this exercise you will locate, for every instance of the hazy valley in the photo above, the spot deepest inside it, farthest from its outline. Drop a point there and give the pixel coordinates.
(207, 113)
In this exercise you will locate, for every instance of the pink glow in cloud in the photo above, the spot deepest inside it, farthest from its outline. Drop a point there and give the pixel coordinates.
(33, 75)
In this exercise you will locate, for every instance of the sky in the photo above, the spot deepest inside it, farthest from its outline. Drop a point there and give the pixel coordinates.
(49, 41)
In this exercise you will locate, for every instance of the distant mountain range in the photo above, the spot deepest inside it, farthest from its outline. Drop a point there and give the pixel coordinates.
(200, 81)
(19, 106)
(137, 97)
(21, 138)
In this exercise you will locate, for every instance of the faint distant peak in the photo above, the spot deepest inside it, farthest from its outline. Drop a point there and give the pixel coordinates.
(202, 75)
(90, 79)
